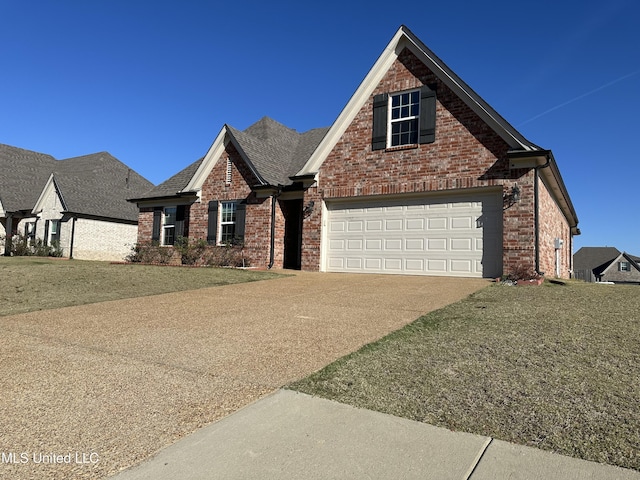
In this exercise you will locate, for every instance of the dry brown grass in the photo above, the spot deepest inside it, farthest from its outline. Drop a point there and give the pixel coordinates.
(39, 283)
(554, 367)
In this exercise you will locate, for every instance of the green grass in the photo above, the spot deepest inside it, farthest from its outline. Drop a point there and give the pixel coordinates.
(555, 367)
(38, 283)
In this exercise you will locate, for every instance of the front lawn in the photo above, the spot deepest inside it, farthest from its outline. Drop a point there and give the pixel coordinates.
(38, 283)
(555, 367)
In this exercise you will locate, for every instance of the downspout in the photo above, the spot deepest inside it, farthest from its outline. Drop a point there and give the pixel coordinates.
(536, 207)
(73, 236)
(272, 246)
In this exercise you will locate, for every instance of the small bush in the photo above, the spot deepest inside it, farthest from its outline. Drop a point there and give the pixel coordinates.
(25, 246)
(521, 273)
(190, 252)
(150, 252)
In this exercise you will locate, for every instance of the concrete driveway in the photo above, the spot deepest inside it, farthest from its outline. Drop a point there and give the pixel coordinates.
(90, 390)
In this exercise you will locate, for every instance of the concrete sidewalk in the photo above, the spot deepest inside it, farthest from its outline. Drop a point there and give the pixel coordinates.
(294, 435)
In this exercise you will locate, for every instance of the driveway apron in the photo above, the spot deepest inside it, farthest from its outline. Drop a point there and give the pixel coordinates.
(90, 390)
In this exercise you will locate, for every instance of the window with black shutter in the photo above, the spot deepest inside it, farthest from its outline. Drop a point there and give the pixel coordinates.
(404, 118)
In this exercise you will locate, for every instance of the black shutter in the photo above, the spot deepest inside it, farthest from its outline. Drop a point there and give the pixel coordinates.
(241, 210)
(427, 115)
(380, 107)
(179, 221)
(46, 232)
(212, 226)
(157, 220)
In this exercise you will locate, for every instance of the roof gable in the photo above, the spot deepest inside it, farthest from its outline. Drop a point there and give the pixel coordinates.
(404, 38)
(24, 174)
(272, 151)
(620, 258)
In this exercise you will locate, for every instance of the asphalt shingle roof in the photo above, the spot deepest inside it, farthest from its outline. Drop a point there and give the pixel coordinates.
(275, 151)
(23, 174)
(172, 185)
(96, 184)
(590, 258)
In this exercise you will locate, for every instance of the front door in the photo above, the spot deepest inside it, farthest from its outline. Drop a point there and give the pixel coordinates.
(292, 210)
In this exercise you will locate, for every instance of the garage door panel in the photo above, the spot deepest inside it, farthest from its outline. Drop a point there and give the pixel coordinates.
(437, 244)
(373, 226)
(393, 244)
(355, 226)
(373, 264)
(355, 244)
(414, 244)
(373, 244)
(415, 265)
(394, 225)
(436, 223)
(463, 244)
(426, 236)
(462, 266)
(415, 223)
(461, 223)
(393, 264)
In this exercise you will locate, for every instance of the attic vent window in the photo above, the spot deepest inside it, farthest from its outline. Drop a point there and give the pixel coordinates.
(228, 172)
(624, 267)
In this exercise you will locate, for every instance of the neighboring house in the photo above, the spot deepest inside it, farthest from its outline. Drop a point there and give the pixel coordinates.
(418, 175)
(79, 202)
(606, 264)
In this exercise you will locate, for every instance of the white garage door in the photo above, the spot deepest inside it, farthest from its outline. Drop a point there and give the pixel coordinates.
(449, 235)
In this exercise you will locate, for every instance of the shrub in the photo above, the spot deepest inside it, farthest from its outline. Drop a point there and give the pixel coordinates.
(150, 252)
(191, 252)
(24, 246)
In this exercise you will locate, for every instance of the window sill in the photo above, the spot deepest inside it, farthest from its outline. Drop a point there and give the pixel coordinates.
(412, 146)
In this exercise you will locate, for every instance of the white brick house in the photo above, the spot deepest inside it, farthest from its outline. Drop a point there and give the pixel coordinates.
(78, 203)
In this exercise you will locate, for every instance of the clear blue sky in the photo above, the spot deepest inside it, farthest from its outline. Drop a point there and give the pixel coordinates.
(153, 82)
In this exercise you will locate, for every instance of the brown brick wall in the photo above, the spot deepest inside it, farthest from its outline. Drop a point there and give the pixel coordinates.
(552, 225)
(145, 224)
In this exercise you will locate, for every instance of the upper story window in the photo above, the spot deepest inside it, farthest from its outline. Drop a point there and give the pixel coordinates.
(624, 267)
(404, 118)
(169, 226)
(403, 121)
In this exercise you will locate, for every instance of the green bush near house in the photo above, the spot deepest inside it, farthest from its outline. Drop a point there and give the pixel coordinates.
(24, 246)
(189, 252)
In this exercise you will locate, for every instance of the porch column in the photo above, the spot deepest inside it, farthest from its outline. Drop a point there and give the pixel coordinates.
(8, 227)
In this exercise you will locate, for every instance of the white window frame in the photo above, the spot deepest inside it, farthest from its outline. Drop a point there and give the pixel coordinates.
(167, 226)
(412, 116)
(624, 266)
(227, 218)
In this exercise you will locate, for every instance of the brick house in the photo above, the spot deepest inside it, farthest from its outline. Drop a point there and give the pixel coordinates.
(606, 264)
(78, 203)
(417, 175)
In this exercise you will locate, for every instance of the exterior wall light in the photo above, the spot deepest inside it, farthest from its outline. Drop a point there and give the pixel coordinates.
(512, 197)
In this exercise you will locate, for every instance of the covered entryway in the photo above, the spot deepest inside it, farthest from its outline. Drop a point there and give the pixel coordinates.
(451, 235)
